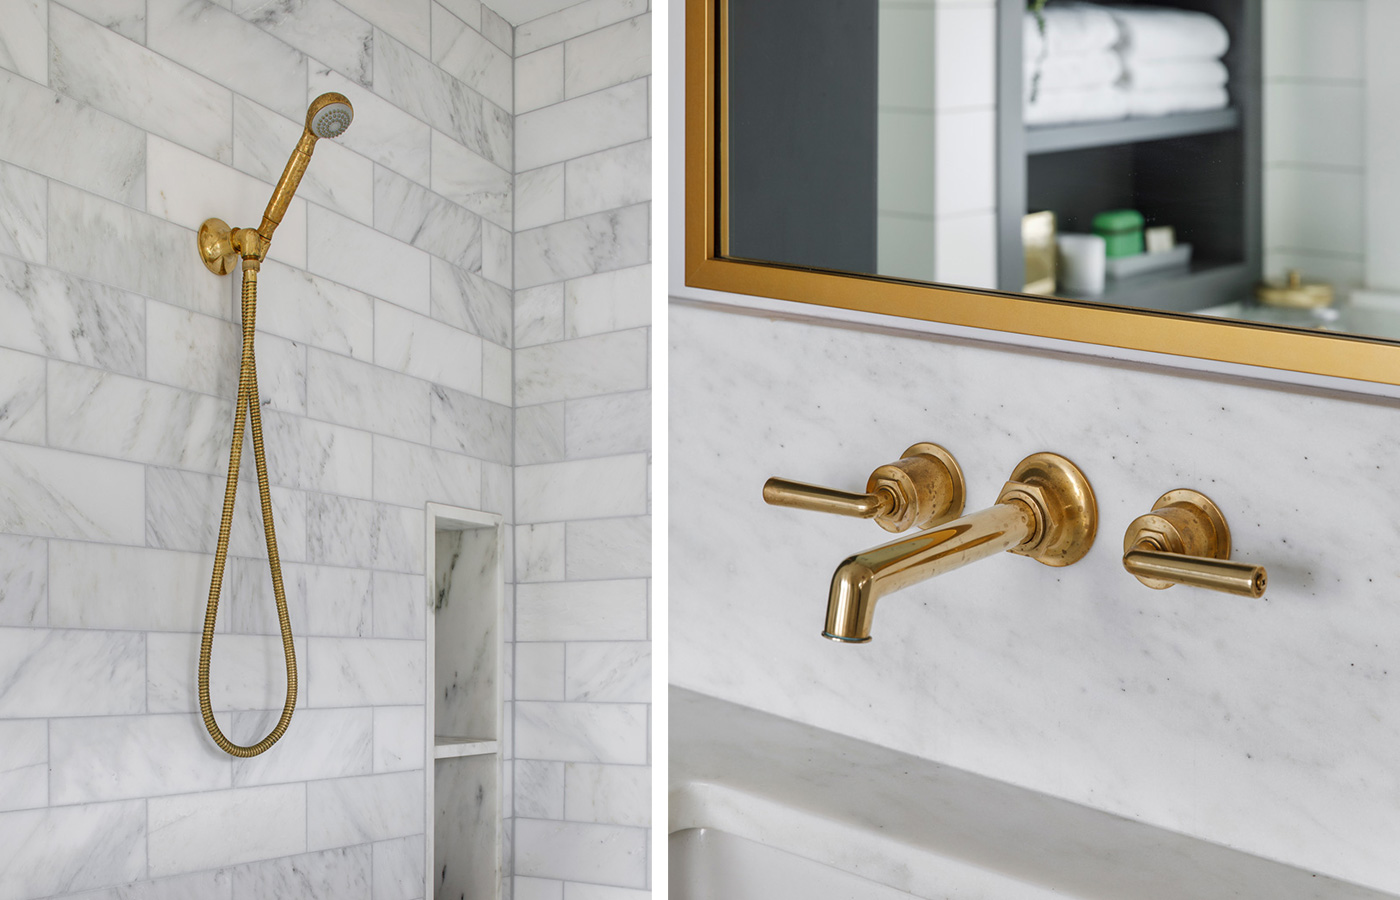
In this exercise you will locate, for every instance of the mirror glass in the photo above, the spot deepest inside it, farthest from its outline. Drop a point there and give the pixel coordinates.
(1219, 157)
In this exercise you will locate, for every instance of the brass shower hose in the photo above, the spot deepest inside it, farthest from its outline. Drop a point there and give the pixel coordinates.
(247, 397)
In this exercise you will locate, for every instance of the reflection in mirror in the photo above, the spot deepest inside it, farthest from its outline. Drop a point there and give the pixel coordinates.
(1206, 156)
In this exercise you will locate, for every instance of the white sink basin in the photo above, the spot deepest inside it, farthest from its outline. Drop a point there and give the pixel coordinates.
(766, 808)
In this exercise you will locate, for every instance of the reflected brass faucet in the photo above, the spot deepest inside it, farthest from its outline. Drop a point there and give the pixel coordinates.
(1046, 511)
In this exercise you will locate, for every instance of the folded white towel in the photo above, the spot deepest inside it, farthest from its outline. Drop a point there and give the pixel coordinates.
(1070, 28)
(1153, 33)
(1164, 103)
(1171, 74)
(1099, 104)
(1084, 70)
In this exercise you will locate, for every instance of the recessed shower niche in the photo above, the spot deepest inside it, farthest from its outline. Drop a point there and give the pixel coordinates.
(465, 555)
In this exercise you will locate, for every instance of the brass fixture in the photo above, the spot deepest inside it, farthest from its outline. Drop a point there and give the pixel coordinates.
(1185, 540)
(1294, 293)
(1046, 511)
(220, 247)
(923, 488)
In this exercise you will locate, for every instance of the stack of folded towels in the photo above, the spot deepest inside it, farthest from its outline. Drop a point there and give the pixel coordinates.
(1086, 63)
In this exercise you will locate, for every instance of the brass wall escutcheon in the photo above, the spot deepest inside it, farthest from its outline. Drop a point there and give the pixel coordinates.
(920, 490)
(1185, 540)
(1046, 511)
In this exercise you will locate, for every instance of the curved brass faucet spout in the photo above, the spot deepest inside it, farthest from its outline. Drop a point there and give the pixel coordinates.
(1046, 511)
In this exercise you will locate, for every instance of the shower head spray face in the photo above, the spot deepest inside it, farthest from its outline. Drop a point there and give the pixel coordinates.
(330, 114)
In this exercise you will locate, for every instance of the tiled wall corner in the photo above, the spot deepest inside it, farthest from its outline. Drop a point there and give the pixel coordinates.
(582, 450)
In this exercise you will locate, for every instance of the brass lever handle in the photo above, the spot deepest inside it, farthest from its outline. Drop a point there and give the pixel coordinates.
(922, 489)
(1185, 540)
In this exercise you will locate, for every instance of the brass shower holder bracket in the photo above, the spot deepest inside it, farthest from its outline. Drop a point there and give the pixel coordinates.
(1062, 503)
(221, 246)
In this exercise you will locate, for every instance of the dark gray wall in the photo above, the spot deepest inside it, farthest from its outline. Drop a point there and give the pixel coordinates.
(803, 136)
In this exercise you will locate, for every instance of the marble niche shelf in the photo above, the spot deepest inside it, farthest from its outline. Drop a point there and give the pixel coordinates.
(446, 747)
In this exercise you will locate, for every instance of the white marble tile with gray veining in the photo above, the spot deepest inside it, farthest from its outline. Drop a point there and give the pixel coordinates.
(185, 187)
(496, 29)
(610, 671)
(431, 223)
(125, 17)
(343, 250)
(71, 848)
(22, 378)
(247, 602)
(24, 213)
(498, 490)
(612, 424)
(539, 315)
(340, 874)
(497, 254)
(368, 397)
(466, 300)
(382, 132)
(539, 78)
(539, 789)
(539, 433)
(609, 548)
(221, 828)
(539, 197)
(608, 56)
(364, 672)
(582, 489)
(138, 252)
(214, 42)
(577, 247)
(527, 888)
(57, 316)
(322, 29)
(128, 757)
(466, 679)
(399, 738)
(539, 552)
(339, 178)
(319, 743)
(97, 66)
(574, 851)
(427, 349)
(215, 884)
(345, 811)
(247, 672)
(23, 42)
(587, 367)
(57, 494)
(412, 474)
(497, 373)
(539, 671)
(418, 87)
(466, 179)
(37, 665)
(400, 605)
(608, 301)
(614, 795)
(125, 418)
(349, 532)
(583, 125)
(462, 52)
(338, 601)
(464, 789)
(315, 311)
(573, 21)
(468, 11)
(608, 179)
(54, 135)
(581, 611)
(466, 424)
(407, 20)
(140, 589)
(316, 456)
(183, 511)
(24, 764)
(398, 868)
(24, 581)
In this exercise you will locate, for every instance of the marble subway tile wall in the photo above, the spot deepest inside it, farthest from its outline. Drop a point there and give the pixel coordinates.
(385, 352)
(582, 451)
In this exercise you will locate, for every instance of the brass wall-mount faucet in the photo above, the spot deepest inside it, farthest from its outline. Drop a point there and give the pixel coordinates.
(1185, 540)
(920, 490)
(1046, 511)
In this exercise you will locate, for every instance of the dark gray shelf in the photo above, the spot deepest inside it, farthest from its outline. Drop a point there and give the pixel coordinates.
(1204, 284)
(1057, 138)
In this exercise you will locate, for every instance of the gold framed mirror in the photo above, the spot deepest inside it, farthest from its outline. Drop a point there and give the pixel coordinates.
(708, 265)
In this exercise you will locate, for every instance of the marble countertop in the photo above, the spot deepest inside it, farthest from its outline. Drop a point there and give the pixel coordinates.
(932, 830)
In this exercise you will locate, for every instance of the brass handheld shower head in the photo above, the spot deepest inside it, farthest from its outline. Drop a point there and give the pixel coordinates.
(220, 246)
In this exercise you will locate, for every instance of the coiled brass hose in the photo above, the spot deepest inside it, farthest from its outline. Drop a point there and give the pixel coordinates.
(247, 397)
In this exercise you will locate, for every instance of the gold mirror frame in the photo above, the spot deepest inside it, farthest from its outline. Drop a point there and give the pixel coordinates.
(1179, 334)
